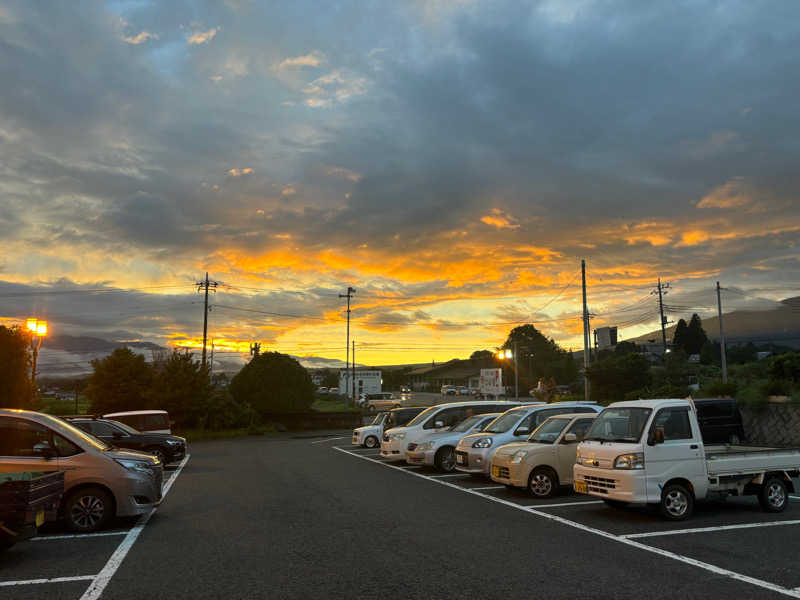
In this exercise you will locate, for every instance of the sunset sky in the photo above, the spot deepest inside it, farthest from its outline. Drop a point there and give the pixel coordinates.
(452, 161)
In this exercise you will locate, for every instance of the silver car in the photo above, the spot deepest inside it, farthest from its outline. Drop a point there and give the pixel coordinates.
(438, 449)
(100, 481)
(474, 452)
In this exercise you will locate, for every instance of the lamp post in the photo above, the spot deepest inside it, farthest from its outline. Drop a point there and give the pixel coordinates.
(509, 354)
(38, 329)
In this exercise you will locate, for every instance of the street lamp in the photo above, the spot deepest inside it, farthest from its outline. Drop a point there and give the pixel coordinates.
(38, 329)
(507, 353)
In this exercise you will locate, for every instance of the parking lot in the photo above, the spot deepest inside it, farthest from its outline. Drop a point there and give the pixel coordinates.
(309, 515)
(731, 538)
(60, 564)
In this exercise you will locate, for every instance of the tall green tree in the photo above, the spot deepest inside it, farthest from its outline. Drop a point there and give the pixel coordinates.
(613, 377)
(15, 368)
(679, 336)
(120, 381)
(273, 382)
(539, 358)
(181, 386)
(695, 336)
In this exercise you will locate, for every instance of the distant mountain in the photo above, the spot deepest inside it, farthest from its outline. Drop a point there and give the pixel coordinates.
(80, 344)
(780, 325)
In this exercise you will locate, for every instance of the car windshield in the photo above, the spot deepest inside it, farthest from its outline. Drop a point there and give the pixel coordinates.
(124, 427)
(420, 418)
(548, 431)
(504, 422)
(67, 429)
(619, 425)
(467, 424)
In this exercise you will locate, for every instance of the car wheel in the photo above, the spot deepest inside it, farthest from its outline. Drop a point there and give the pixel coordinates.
(677, 504)
(446, 459)
(773, 495)
(88, 509)
(158, 453)
(543, 483)
(615, 503)
(734, 440)
(371, 442)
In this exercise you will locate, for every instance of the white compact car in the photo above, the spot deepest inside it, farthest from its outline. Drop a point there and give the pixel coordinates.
(474, 452)
(369, 436)
(439, 449)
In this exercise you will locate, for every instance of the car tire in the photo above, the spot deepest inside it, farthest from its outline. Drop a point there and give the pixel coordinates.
(159, 453)
(371, 442)
(677, 503)
(445, 459)
(618, 504)
(88, 509)
(542, 483)
(773, 495)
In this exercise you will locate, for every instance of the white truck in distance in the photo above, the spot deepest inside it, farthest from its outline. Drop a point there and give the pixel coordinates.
(652, 452)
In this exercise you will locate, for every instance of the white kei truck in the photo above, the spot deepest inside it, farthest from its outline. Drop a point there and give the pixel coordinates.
(652, 452)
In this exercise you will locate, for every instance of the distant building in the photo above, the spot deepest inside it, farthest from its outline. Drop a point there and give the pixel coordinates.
(366, 382)
(605, 337)
(461, 373)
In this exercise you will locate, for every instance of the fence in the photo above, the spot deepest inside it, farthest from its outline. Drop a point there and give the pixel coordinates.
(772, 424)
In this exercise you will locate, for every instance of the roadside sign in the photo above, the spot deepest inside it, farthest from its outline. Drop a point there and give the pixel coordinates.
(492, 382)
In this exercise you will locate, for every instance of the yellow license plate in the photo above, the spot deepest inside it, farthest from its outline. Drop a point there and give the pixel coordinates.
(496, 471)
(40, 518)
(580, 487)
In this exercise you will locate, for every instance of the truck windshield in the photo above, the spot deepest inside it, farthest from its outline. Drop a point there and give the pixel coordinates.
(548, 431)
(504, 422)
(619, 425)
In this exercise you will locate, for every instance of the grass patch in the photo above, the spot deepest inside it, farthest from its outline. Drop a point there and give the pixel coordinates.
(64, 406)
(198, 435)
(334, 404)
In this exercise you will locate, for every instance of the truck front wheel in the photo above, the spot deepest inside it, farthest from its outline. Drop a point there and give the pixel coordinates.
(677, 503)
(773, 495)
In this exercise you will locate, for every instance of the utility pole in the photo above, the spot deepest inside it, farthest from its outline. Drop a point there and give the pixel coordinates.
(661, 293)
(204, 285)
(211, 362)
(585, 335)
(348, 295)
(255, 349)
(354, 373)
(721, 338)
(516, 374)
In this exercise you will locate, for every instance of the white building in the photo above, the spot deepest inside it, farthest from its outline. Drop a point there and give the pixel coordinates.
(366, 382)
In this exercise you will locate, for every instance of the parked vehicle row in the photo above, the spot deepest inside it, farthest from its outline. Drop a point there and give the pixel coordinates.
(658, 452)
(369, 436)
(101, 478)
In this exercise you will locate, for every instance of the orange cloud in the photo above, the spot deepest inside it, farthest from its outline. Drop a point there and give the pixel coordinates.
(501, 220)
(239, 172)
(735, 193)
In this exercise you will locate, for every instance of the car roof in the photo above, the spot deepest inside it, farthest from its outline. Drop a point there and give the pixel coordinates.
(136, 412)
(651, 403)
(573, 415)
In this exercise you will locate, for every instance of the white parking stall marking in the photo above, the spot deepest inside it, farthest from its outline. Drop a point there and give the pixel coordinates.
(707, 529)
(450, 475)
(560, 504)
(490, 487)
(330, 439)
(795, 497)
(102, 579)
(53, 580)
(47, 538)
(794, 593)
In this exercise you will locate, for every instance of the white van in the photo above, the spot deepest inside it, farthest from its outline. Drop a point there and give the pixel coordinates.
(151, 421)
(436, 418)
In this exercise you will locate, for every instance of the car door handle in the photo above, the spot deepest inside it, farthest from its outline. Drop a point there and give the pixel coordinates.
(693, 446)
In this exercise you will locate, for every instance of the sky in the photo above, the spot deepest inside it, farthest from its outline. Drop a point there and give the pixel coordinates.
(452, 161)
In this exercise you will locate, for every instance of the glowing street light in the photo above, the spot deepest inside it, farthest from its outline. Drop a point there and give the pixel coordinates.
(38, 330)
(508, 354)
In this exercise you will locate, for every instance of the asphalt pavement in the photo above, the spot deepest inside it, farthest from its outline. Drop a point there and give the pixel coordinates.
(313, 518)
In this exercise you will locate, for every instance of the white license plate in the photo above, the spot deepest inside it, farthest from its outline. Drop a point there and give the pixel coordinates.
(460, 459)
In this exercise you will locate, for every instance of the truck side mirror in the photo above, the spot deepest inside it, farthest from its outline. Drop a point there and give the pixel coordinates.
(656, 436)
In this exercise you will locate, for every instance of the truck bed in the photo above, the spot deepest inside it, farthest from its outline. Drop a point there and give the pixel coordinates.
(740, 459)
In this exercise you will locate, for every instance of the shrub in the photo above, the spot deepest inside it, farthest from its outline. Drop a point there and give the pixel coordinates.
(273, 382)
(716, 389)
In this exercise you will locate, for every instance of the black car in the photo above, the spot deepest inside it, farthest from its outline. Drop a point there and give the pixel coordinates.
(720, 420)
(168, 448)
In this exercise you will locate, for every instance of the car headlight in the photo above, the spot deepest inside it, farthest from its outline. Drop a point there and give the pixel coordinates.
(629, 461)
(172, 442)
(517, 457)
(135, 465)
(397, 436)
(482, 443)
(425, 446)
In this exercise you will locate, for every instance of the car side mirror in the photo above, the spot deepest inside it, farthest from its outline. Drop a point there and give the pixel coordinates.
(569, 438)
(438, 424)
(45, 451)
(656, 437)
(522, 431)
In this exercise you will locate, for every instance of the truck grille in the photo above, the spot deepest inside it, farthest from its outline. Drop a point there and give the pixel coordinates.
(599, 485)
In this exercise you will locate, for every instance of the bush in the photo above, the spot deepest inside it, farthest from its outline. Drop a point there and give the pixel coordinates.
(716, 389)
(273, 382)
(224, 412)
(777, 387)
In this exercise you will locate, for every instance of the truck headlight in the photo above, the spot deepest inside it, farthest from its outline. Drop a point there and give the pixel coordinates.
(397, 436)
(517, 457)
(425, 446)
(629, 461)
(482, 443)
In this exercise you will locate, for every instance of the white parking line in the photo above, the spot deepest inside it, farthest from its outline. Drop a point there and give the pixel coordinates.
(795, 497)
(99, 583)
(330, 439)
(53, 580)
(491, 487)
(47, 538)
(794, 593)
(450, 475)
(705, 529)
(560, 504)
